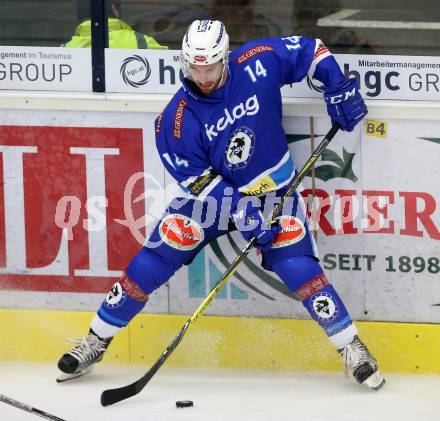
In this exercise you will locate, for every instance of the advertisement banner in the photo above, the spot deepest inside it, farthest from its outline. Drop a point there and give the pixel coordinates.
(377, 203)
(143, 71)
(76, 194)
(45, 68)
(72, 205)
(159, 72)
(409, 78)
(374, 206)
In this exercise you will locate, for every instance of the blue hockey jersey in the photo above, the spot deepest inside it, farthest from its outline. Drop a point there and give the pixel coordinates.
(235, 137)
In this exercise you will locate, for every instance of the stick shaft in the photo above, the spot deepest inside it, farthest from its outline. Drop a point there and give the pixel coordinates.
(28, 408)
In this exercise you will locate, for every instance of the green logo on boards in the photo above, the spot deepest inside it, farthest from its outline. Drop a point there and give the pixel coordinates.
(431, 139)
(337, 166)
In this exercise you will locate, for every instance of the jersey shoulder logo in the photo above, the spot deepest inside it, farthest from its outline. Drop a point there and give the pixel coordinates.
(158, 121)
(178, 118)
(252, 52)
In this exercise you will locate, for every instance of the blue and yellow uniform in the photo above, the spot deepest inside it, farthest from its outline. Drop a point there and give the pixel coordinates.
(229, 152)
(236, 133)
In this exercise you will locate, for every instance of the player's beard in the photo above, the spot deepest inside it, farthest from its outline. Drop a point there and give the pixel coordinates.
(216, 85)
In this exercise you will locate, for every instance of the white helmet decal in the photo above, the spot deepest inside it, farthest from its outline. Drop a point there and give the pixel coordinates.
(205, 42)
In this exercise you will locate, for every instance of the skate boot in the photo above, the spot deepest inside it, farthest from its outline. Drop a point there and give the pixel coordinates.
(362, 364)
(82, 358)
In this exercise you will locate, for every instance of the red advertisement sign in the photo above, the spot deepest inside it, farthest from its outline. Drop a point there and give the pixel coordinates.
(62, 203)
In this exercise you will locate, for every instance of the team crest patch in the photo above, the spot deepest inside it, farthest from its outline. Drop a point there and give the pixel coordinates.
(325, 307)
(181, 232)
(240, 148)
(292, 231)
(116, 296)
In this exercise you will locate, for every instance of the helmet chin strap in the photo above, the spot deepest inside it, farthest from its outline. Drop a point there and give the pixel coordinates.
(224, 73)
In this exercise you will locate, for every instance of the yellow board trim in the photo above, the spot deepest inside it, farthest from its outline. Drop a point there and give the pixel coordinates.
(220, 342)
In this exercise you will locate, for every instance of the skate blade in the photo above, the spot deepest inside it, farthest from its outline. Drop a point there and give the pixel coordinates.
(375, 381)
(65, 377)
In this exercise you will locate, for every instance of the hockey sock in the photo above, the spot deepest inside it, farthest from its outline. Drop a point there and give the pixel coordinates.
(123, 302)
(326, 307)
(303, 275)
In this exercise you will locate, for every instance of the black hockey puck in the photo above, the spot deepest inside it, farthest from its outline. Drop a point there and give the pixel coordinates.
(184, 404)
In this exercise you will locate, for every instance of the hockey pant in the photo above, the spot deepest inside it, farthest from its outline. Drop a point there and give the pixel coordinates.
(179, 236)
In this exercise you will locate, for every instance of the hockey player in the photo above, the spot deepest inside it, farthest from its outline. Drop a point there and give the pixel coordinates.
(221, 137)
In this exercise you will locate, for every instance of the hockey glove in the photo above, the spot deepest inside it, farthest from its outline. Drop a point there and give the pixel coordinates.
(252, 225)
(345, 104)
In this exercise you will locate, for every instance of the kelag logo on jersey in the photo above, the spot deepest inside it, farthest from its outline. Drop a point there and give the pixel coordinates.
(249, 107)
(240, 148)
(135, 71)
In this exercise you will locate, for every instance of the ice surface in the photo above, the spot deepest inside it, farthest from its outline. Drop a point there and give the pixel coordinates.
(218, 395)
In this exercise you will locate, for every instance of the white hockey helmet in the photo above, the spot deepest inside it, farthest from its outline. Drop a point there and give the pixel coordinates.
(205, 42)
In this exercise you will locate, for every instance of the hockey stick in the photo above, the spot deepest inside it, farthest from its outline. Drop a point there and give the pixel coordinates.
(28, 408)
(111, 396)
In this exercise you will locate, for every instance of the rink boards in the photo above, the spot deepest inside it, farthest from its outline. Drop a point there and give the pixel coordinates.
(62, 246)
(77, 189)
(221, 342)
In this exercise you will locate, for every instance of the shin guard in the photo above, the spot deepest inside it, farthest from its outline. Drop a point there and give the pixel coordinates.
(324, 305)
(303, 275)
(123, 302)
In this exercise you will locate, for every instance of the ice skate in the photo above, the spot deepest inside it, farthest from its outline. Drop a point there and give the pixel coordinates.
(65, 377)
(362, 364)
(83, 357)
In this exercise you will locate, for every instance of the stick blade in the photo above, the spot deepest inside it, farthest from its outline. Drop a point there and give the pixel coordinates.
(111, 396)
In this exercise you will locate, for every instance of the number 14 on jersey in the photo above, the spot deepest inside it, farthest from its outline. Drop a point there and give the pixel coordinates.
(259, 71)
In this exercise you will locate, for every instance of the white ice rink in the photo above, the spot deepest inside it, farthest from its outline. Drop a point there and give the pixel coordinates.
(218, 395)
